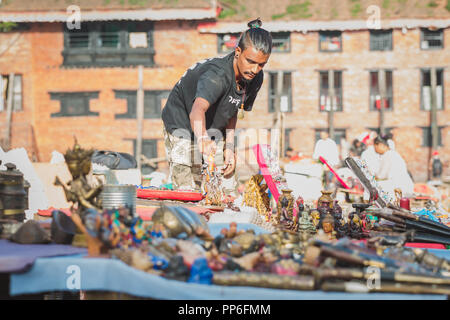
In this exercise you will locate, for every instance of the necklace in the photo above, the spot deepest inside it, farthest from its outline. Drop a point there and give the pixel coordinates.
(241, 112)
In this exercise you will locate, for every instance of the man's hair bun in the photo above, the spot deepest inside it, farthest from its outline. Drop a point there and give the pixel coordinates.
(257, 23)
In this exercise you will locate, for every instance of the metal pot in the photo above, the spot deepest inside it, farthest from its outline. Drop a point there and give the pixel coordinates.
(13, 196)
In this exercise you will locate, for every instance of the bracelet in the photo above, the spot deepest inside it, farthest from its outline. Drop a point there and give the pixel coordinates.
(202, 138)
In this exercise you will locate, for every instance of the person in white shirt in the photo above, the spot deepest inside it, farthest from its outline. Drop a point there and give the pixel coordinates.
(326, 148)
(393, 173)
(370, 156)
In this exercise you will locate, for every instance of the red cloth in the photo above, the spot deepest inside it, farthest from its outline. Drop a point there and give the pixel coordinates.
(48, 212)
(145, 213)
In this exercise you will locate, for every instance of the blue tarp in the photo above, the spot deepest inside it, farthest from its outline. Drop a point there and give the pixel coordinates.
(15, 257)
(56, 274)
(97, 274)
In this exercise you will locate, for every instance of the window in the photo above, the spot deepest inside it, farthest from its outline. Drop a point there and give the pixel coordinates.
(149, 150)
(281, 42)
(286, 91)
(387, 130)
(432, 39)
(109, 44)
(152, 103)
(287, 139)
(330, 41)
(375, 97)
(227, 42)
(339, 134)
(325, 99)
(427, 138)
(426, 89)
(74, 104)
(16, 92)
(380, 40)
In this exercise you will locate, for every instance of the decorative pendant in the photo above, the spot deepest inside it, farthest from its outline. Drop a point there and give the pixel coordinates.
(241, 112)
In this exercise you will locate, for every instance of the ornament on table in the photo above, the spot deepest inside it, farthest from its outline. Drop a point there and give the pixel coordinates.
(79, 192)
(325, 200)
(366, 223)
(179, 221)
(101, 235)
(285, 211)
(340, 227)
(315, 217)
(328, 227)
(256, 196)
(355, 226)
(212, 183)
(176, 269)
(200, 272)
(305, 224)
(337, 210)
(300, 203)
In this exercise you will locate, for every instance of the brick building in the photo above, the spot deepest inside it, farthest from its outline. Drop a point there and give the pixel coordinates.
(83, 82)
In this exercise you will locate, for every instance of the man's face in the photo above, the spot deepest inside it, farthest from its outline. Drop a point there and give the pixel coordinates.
(324, 135)
(250, 62)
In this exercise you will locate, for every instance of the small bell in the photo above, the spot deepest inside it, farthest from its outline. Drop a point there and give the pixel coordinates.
(241, 112)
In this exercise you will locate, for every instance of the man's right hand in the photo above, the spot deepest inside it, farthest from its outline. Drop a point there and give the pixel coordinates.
(207, 146)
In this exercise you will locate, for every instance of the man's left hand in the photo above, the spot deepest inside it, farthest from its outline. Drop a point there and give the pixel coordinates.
(230, 163)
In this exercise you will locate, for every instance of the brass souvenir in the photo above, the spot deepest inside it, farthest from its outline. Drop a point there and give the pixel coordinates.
(255, 195)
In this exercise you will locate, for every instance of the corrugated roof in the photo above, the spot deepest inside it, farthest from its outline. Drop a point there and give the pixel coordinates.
(105, 10)
(61, 5)
(327, 10)
(337, 25)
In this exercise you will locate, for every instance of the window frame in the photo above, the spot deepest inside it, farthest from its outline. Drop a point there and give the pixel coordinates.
(15, 107)
(390, 94)
(339, 108)
(121, 56)
(330, 34)
(129, 95)
(377, 130)
(220, 41)
(380, 33)
(422, 39)
(440, 144)
(272, 97)
(62, 98)
(422, 104)
(287, 34)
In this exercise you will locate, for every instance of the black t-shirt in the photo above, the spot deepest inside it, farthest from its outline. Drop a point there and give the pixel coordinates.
(214, 80)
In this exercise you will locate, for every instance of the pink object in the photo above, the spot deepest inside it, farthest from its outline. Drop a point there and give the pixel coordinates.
(404, 203)
(334, 172)
(415, 245)
(425, 245)
(265, 171)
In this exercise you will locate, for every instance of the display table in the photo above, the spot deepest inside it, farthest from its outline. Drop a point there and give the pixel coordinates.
(49, 274)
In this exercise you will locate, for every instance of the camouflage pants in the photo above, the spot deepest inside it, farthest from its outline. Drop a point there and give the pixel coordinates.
(185, 164)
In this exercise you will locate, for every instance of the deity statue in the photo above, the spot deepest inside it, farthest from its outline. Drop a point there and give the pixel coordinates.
(328, 227)
(355, 228)
(315, 216)
(79, 191)
(285, 211)
(255, 195)
(325, 200)
(305, 224)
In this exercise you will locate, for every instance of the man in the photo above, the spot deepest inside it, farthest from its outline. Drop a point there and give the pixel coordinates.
(326, 148)
(370, 156)
(200, 115)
